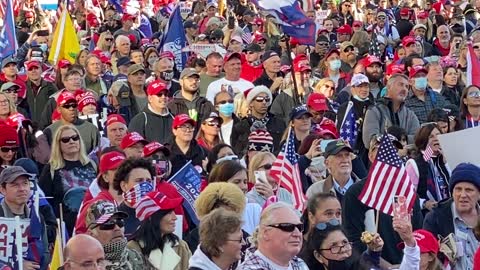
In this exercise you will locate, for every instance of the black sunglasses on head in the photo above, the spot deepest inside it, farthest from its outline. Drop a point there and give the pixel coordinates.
(287, 227)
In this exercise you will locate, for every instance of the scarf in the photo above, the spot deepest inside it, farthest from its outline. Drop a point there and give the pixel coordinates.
(116, 255)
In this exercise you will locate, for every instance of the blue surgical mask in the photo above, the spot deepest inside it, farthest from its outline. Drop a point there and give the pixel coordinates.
(226, 109)
(335, 64)
(359, 98)
(421, 83)
(44, 47)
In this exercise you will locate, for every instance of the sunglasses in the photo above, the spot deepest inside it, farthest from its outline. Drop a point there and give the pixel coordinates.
(287, 227)
(474, 94)
(109, 39)
(323, 226)
(33, 68)
(67, 139)
(110, 225)
(162, 94)
(5, 149)
(476, 47)
(212, 124)
(348, 6)
(262, 99)
(266, 167)
(70, 106)
(250, 52)
(381, 18)
(329, 86)
(225, 101)
(349, 49)
(323, 44)
(11, 90)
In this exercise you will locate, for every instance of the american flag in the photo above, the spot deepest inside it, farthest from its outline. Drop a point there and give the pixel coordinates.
(287, 173)
(349, 128)
(8, 38)
(374, 48)
(428, 153)
(3, 5)
(387, 178)
(134, 195)
(149, 205)
(247, 35)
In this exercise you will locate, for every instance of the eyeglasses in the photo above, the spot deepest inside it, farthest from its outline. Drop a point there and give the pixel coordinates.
(109, 39)
(186, 128)
(261, 43)
(345, 245)
(110, 225)
(322, 226)
(77, 79)
(11, 90)
(287, 227)
(381, 18)
(474, 94)
(70, 106)
(162, 94)
(348, 6)
(101, 263)
(266, 167)
(329, 86)
(236, 240)
(225, 101)
(262, 99)
(5, 149)
(67, 139)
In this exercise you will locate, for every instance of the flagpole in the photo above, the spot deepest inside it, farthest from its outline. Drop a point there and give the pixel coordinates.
(295, 87)
(349, 107)
(19, 242)
(36, 202)
(60, 234)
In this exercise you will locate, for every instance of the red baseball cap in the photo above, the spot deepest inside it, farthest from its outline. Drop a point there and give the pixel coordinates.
(422, 15)
(65, 97)
(153, 202)
(132, 138)
(407, 40)
(156, 87)
(167, 54)
(301, 67)
(64, 63)
(417, 69)
(84, 99)
(345, 29)
(404, 11)
(127, 17)
(29, 14)
(15, 119)
(318, 102)
(370, 60)
(153, 147)
(115, 118)
(32, 63)
(357, 24)
(110, 161)
(229, 56)
(182, 119)
(426, 241)
(395, 69)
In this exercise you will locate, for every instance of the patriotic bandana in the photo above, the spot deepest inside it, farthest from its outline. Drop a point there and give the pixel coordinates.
(135, 194)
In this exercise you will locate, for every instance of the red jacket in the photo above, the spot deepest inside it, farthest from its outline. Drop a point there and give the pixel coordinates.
(251, 73)
(441, 50)
(20, 80)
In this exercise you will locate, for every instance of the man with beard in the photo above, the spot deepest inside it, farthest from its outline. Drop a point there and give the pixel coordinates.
(374, 73)
(106, 224)
(156, 115)
(163, 70)
(347, 56)
(67, 107)
(321, 47)
(188, 101)
(390, 111)
(442, 42)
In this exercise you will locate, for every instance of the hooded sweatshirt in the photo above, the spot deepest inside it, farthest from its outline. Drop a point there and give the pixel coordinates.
(200, 260)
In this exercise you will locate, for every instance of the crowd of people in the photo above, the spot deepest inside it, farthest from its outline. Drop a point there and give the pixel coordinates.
(102, 136)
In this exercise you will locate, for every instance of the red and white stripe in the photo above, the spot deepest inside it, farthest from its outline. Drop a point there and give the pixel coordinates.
(3, 5)
(146, 207)
(428, 153)
(473, 67)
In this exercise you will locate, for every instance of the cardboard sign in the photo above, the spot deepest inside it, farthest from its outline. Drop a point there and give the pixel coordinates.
(320, 16)
(464, 140)
(185, 9)
(8, 240)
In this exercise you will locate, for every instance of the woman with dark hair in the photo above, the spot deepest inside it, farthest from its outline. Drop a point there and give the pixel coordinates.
(154, 239)
(429, 171)
(133, 180)
(321, 207)
(316, 169)
(8, 145)
(219, 153)
(451, 89)
(440, 117)
(344, 15)
(470, 106)
(328, 249)
(300, 122)
(151, 56)
(208, 135)
(221, 241)
(233, 172)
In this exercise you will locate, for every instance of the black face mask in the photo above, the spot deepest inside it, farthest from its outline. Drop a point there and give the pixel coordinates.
(166, 75)
(338, 265)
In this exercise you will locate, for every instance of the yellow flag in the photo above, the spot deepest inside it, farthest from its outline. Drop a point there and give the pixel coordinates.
(65, 44)
(222, 6)
(57, 256)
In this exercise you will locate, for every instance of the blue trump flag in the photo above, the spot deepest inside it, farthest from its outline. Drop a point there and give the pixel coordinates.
(291, 17)
(187, 181)
(174, 39)
(8, 38)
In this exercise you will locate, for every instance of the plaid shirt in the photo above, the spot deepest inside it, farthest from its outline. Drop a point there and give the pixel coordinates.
(423, 108)
(254, 262)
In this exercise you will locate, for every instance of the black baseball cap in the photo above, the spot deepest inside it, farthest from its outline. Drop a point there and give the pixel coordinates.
(335, 147)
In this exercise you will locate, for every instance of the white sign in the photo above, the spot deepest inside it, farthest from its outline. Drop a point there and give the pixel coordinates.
(7, 239)
(461, 146)
(203, 50)
(185, 9)
(320, 16)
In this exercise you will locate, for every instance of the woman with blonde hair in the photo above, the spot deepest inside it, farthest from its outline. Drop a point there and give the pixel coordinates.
(68, 174)
(7, 106)
(265, 185)
(105, 43)
(326, 87)
(81, 58)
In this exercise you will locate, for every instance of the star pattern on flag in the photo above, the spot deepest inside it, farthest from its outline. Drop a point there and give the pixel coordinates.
(349, 129)
(374, 48)
(388, 154)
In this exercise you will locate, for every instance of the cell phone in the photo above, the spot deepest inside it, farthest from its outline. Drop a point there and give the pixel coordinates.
(231, 22)
(400, 208)
(260, 176)
(323, 144)
(162, 167)
(43, 33)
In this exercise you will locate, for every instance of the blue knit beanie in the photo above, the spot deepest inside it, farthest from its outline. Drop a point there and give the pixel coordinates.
(465, 172)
